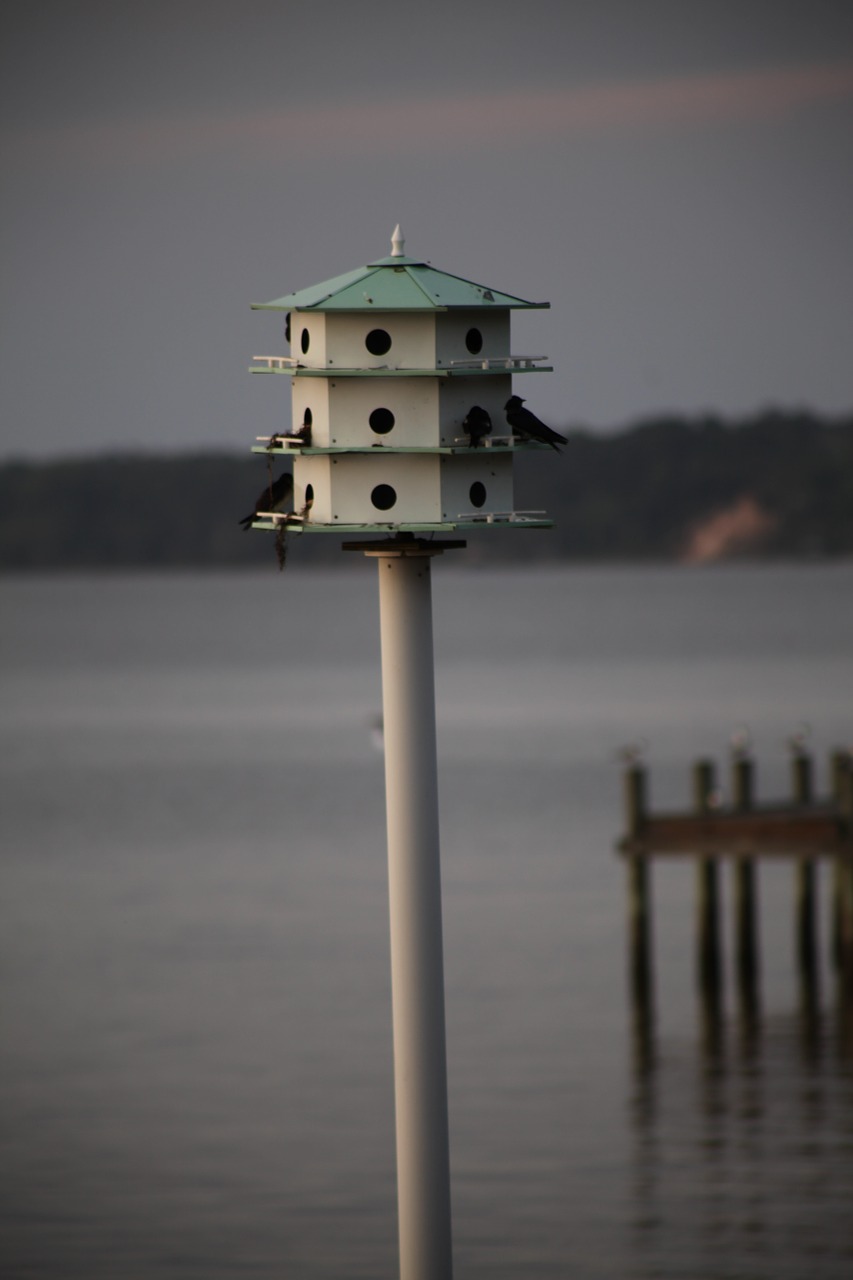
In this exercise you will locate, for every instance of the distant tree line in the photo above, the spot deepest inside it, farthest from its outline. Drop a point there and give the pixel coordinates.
(639, 494)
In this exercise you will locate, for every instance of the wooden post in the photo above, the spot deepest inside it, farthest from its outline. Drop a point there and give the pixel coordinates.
(839, 765)
(843, 888)
(707, 894)
(806, 928)
(639, 915)
(745, 893)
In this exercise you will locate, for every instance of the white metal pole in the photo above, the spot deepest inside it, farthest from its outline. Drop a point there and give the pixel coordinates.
(414, 875)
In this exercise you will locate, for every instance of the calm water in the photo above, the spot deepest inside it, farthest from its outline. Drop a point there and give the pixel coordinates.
(196, 1068)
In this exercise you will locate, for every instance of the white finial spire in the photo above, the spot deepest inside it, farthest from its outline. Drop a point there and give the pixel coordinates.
(397, 243)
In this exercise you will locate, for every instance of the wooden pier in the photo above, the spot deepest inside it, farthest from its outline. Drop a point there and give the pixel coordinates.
(803, 829)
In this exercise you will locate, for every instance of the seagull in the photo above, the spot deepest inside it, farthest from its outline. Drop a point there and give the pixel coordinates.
(477, 424)
(798, 742)
(528, 427)
(272, 498)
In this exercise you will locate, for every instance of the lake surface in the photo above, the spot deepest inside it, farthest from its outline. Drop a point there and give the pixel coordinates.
(196, 1075)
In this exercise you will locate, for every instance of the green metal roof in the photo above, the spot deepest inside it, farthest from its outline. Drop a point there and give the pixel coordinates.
(396, 283)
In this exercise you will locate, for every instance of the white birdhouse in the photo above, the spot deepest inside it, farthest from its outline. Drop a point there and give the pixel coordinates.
(387, 363)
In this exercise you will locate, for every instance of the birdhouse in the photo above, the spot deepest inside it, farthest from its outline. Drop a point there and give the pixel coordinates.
(399, 379)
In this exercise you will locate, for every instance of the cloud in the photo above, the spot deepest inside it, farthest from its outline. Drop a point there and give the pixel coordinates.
(452, 123)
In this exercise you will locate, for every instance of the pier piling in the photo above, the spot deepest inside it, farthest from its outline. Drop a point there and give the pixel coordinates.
(707, 893)
(639, 915)
(842, 780)
(805, 876)
(746, 944)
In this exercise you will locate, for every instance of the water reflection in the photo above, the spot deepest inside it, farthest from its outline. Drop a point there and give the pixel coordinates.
(743, 1137)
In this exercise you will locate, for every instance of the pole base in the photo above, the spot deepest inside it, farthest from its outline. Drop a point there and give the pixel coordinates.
(405, 544)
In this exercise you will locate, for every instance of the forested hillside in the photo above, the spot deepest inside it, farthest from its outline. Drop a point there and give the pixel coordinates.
(777, 486)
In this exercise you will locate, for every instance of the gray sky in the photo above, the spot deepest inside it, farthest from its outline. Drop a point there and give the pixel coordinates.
(675, 178)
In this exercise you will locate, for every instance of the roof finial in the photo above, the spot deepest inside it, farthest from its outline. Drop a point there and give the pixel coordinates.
(397, 243)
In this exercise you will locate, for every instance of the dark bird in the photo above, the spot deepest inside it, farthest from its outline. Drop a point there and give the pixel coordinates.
(272, 498)
(476, 425)
(303, 433)
(527, 426)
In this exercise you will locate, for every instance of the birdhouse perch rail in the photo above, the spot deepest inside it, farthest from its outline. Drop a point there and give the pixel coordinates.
(276, 362)
(494, 364)
(514, 363)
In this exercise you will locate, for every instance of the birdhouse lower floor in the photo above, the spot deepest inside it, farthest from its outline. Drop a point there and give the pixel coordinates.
(402, 489)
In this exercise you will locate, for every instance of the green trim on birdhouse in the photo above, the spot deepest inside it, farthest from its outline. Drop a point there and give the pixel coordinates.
(519, 521)
(299, 449)
(464, 369)
(397, 284)
(330, 371)
(293, 448)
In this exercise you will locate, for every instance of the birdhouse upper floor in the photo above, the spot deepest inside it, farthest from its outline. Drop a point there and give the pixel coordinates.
(324, 342)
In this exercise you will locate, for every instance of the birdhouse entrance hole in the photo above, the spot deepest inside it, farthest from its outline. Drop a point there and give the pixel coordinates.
(381, 421)
(378, 342)
(474, 341)
(383, 497)
(477, 494)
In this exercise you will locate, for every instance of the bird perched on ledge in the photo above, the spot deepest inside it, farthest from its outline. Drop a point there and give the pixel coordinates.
(476, 425)
(303, 433)
(273, 497)
(527, 426)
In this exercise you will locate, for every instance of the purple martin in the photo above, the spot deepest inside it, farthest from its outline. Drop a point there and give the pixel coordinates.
(303, 433)
(272, 498)
(527, 426)
(476, 425)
